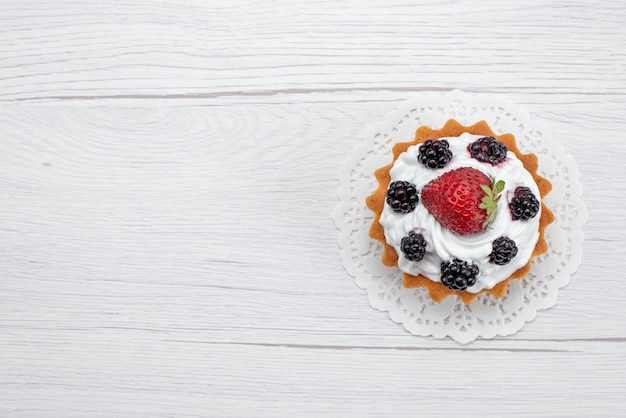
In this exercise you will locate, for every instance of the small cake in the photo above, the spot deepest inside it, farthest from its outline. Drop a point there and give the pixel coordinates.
(459, 211)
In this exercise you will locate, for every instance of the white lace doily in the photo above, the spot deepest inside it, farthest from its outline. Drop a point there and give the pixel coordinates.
(487, 316)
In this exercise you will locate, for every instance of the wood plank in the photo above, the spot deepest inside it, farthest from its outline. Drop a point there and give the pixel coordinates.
(167, 49)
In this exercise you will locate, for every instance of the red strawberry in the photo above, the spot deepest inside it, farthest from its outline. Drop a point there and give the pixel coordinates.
(463, 200)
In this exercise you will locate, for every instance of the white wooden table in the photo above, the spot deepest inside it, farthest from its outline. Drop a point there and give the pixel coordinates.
(168, 173)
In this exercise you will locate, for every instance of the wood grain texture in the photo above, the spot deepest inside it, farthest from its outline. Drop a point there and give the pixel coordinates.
(168, 175)
(166, 48)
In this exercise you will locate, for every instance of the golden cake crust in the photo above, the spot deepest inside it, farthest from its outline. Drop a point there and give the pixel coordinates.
(376, 201)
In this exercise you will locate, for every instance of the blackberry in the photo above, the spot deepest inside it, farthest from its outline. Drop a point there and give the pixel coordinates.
(458, 274)
(524, 204)
(504, 249)
(488, 150)
(402, 196)
(434, 153)
(413, 246)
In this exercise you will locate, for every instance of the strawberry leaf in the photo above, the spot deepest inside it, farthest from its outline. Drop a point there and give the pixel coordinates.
(499, 186)
(490, 202)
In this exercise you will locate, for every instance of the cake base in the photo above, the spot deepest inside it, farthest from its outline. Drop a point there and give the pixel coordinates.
(452, 128)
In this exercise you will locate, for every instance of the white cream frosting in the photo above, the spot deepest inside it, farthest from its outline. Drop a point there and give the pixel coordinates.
(444, 245)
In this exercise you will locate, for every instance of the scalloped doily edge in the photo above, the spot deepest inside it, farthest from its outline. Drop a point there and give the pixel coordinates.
(391, 119)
